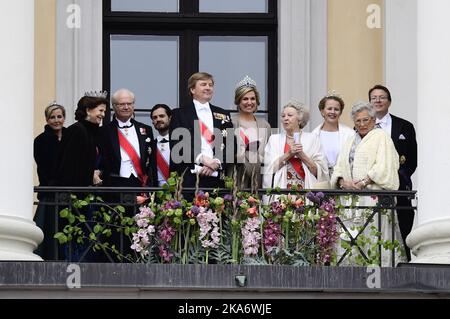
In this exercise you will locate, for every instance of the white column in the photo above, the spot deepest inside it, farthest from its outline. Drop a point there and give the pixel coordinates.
(302, 38)
(78, 51)
(400, 49)
(19, 235)
(431, 239)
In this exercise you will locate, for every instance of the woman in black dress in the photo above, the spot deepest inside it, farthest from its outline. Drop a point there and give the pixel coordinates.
(45, 152)
(78, 156)
(78, 161)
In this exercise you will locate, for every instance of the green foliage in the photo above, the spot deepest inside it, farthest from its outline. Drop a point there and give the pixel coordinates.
(91, 220)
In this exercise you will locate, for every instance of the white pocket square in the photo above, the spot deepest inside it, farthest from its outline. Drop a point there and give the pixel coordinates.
(402, 137)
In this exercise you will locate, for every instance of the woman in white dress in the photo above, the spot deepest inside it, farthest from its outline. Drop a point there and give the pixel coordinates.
(368, 160)
(294, 157)
(332, 133)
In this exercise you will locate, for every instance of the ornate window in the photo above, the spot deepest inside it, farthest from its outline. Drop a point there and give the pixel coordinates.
(153, 46)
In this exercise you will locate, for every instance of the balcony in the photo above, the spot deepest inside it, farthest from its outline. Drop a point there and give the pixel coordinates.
(61, 278)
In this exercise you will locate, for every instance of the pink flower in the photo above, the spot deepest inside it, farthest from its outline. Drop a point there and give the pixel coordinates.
(252, 211)
(141, 199)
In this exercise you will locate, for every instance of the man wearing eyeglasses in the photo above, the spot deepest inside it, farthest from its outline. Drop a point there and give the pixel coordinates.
(403, 135)
(126, 145)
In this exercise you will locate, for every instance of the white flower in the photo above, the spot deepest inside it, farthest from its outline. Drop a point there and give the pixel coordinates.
(224, 133)
(222, 147)
(147, 140)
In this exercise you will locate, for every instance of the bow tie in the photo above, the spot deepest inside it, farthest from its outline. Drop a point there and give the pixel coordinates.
(163, 140)
(125, 126)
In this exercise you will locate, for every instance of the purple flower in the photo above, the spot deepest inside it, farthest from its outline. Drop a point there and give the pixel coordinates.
(277, 208)
(165, 253)
(195, 210)
(313, 198)
(272, 235)
(228, 197)
(172, 204)
(326, 232)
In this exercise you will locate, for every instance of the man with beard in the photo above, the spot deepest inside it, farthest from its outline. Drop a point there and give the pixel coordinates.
(161, 115)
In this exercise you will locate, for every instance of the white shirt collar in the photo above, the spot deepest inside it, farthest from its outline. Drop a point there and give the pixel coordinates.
(121, 124)
(201, 106)
(385, 119)
(160, 137)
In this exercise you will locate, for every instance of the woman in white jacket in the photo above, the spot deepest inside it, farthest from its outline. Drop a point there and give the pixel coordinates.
(332, 134)
(294, 157)
(368, 161)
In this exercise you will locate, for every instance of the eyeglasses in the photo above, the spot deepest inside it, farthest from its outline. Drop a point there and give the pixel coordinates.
(379, 98)
(122, 105)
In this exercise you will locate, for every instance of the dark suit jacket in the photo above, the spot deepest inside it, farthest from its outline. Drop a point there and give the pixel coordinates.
(187, 118)
(404, 137)
(45, 148)
(110, 149)
(153, 169)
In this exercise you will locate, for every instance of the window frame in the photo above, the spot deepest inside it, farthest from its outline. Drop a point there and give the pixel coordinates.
(189, 24)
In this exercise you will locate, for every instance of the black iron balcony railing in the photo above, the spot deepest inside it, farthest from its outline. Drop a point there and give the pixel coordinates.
(58, 198)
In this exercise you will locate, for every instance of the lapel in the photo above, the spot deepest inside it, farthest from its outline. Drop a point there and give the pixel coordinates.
(396, 129)
(114, 138)
(192, 114)
(217, 123)
(141, 138)
(191, 120)
(217, 120)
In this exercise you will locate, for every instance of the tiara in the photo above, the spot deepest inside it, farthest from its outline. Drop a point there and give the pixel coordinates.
(53, 103)
(296, 103)
(246, 82)
(102, 94)
(333, 93)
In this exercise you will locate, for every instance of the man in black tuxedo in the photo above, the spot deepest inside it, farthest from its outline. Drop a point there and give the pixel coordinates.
(161, 115)
(125, 155)
(404, 137)
(125, 145)
(201, 137)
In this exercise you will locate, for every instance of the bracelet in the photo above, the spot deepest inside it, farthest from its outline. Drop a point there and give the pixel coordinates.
(364, 182)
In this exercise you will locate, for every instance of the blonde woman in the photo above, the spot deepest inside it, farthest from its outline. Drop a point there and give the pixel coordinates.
(251, 133)
(331, 132)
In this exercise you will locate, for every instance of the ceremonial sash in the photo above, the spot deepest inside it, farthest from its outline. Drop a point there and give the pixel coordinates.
(296, 163)
(206, 133)
(162, 164)
(128, 148)
(244, 137)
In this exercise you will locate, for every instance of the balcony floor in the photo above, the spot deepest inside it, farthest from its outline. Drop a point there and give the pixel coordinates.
(97, 280)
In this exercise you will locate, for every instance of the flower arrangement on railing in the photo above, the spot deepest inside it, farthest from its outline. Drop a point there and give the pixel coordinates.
(237, 228)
